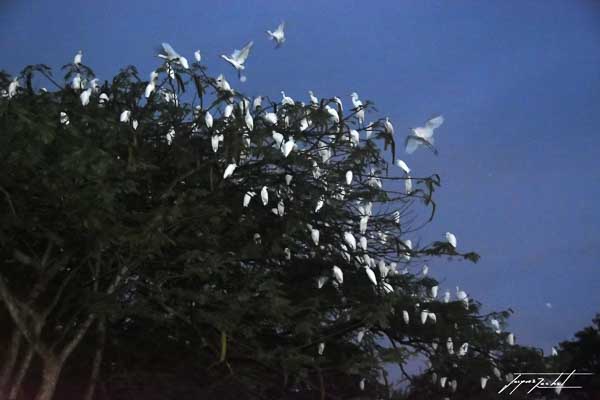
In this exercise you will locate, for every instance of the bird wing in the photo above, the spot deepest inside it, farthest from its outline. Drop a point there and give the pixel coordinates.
(241, 55)
(413, 142)
(435, 122)
(280, 28)
(169, 51)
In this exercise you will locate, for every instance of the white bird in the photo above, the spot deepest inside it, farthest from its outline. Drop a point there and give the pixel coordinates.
(247, 197)
(64, 118)
(214, 139)
(354, 137)
(270, 118)
(371, 275)
(197, 56)
(257, 238)
(358, 105)
(135, 125)
(425, 270)
(450, 238)
(447, 296)
(238, 57)
(171, 55)
(288, 253)
(554, 351)
(208, 119)
(76, 83)
(360, 335)
(257, 102)
(362, 384)
(363, 224)
(229, 170)
(278, 35)
(511, 339)
(280, 208)
(278, 138)
(450, 346)
(383, 269)
(408, 245)
(103, 99)
(463, 349)
(424, 315)
(264, 195)
(434, 291)
(363, 243)
(443, 381)
(338, 274)
(461, 295)
(125, 115)
(286, 100)
(151, 87)
(350, 240)
(423, 135)
(313, 100)
(453, 385)
(314, 235)
(389, 128)
(349, 177)
(483, 381)
(249, 122)
(303, 124)
(405, 316)
(321, 348)
(387, 287)
(333, 114)
(496, 325)
(321, 281)
(320, 204)
(228, 111)
(497, 372)
(402, 165)
(408, 184)
(77, 58)
(288, 146)
(288, 179)
(222, 84)
(85, 97)
(432, 317)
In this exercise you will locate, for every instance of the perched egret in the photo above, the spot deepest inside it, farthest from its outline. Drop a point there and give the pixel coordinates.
(171, 55)
(170, 135)
(222, 84)
(14, 85)
(333, 114)
(103, 99)
(228, 111)
(286, 100)
(229, 170)
(350, 240)
(423, 135)
(354, 137)
(447, 296)
(76, 83)
(362, 384)
(278, 138)
(443, 381)
(348, 177)
(303, 124)
(360, 335)
(496, 325)
(450, 238)
(264, 195)
(358, 106)
(64, 118)
(369, 130)
(313, 100)
(135, 124)
(453, 385)
(208, 119)
(249, 121)
(238, 58)
(321, 348)
(371, 275)
(424, 315)
(402, 165)
(511, 339)
(151, 87)
(288, 253)
(432, 317)
(554, 351)
(77, 58)
(338, 274)
(483, 381)
(288, 179)
(257, 102)
(278, 35)
(425, 270)
(320, 204)
(461, 295)
(387, 288)
(408, 185)
(321, 281)
(270, 118)
(247, 197)
(497, 373)
(363, 243)
(125, 115)
(288, 146)
(363, 224)
(389, 128)
(314, 235)
(214, 139)
(197, 56)
(405, 316)
(450, 346)
(463, 349)
(434, 291)
(85, 97)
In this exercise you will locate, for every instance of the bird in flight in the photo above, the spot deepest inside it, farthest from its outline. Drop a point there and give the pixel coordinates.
(423, 136)
(238, 58)
(278, 36)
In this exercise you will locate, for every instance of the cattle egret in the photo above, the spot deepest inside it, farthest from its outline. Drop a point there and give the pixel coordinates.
(402, 165)
(333, 114)
(450, 346)
(434, 344)
(238, 57)
(320, 204)
(387, 288)
(197, 56)
(463, 349)
(151, 87)
(208, 119)
(303, 124)
(288, 179)
(215, 142)
(497, 373)
(370, 128)
(363, 243)
(170, 134)
(443, 381)
(288, 146)
(321, 348)
(423, 135)
(171, 55)
(249, 122)
(362, 384)
(85, 97)
(288, 253)
(432, 317)
(64, 118)
(77, 58)
(229, 170)
(408, 184)
(389, 128)
(447, 296)
(371, 275)
(286, 100)
(350, 240)
(264, 195)
(76, 83)
(270, 118)
(338, 101)
(358, 106)
(360, 335)
(434, 291)
(450, 238)
(348, 177)
(453, 385)
(257, 102)
(278, 35)
(511, 339)
(425, 270)
(322, 281)
(554, 351)
(496, 325)
(483, 381)
(280, 208)
(338, 274)
(314, 235)
(257, 238)
(247, 197)
(228, 111)
(103, 99)
(354, 137)
(313, 100)
(405, 316)
(222, 84)
(14, 85)
(363, 224)
(125, 115)
(424, 315)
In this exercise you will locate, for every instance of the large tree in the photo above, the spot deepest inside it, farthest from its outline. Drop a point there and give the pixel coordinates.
(182, 235)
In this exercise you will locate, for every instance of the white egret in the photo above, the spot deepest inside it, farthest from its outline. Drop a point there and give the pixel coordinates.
(222, 84)
(228, 111)
(257, 102)
(425, 270)
(77, 58)
(511, 339)
(338, 274)
(320, 204)
(450, 238)
(371, 275)
(85, 97)
(434, 291)
(208, 119)
(387, 288)
(424, 315)
(14, 85)
(360, 335)
(238, 58)
(288, 146)
(432, 317)
(370, 128)
(408, 185)
(363, 243)
(170, 134)
(383, 269)
(257, 238)
(249, 121)
(354, 137)
(321, 281)
(278, 138)
(447, 296)
(496, 325)
(288, 253)
(358, 106)
(125, 115)
(171, 55)
(303, 124)
(264, 195)
(270, 118)
(64, 118)
(288, 179)
(286, 100)
(453, 385)
(389, 128)
(76, 83)
(483, 381)
(313, 100)
(554, 351)
(363, 224)
(94, 85)
(247, 197)
(333, 114)
(405, 316)
(278, 35)
(497, 372)
(362, 384)
(321, 348)
(402, 165)
(314, 235)
(450, 346)
(435, 344)
(423, 135)
(229, 170)
(214, 139)
(349, 177)
(103, 99)
(463, 349)
(443, 381)
(197, 56)
(461, 295)
(350, 240)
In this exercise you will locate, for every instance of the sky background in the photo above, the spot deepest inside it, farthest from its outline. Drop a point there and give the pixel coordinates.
(517, 81)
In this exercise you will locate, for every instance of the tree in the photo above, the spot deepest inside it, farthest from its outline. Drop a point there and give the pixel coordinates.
(236, 249)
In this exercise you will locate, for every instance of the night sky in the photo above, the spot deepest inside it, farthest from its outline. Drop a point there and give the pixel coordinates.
(518, 83)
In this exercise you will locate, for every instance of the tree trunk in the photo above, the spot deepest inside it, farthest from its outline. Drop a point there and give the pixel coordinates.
(50, 374)
(10, 361)
(16, 386)
(89, 395)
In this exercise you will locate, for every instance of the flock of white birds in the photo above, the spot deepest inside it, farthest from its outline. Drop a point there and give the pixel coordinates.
(420, 136)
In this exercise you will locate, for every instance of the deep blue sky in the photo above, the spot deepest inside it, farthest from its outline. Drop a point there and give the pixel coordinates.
(517, 81)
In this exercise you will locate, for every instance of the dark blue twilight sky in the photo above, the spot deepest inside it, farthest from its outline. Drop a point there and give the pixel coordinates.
(517, 81)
